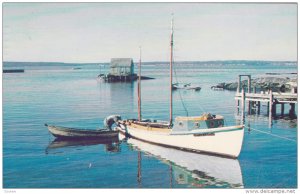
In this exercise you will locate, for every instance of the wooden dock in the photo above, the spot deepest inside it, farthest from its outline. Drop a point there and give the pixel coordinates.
(272, 98)
(256, 99)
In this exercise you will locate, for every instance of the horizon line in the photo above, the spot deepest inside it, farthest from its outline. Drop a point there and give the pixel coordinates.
(153, 61)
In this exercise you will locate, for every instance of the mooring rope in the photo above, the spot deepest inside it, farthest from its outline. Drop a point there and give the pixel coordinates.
(274, 135)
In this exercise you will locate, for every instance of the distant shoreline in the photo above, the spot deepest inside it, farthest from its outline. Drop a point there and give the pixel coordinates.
(211, 62)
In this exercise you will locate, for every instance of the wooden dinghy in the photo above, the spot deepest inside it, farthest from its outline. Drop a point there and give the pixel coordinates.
(75, 133)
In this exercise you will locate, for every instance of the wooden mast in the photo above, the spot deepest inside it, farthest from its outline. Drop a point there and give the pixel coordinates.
(171, 74)
(139, 88)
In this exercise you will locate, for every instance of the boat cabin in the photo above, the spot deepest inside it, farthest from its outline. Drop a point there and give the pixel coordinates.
(205, 121)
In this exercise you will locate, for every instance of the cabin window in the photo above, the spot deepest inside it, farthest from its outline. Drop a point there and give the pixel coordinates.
(211, 124)
(197, 125)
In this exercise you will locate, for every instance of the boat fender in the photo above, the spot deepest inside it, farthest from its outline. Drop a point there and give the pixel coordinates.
(110, 120)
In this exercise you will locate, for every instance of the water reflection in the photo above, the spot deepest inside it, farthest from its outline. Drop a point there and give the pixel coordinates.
(192, 169)
(111, 145)
(117, 97)
(291, 122)
(124, 91)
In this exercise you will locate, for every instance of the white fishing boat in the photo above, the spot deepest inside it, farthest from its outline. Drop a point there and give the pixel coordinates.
(205, 133)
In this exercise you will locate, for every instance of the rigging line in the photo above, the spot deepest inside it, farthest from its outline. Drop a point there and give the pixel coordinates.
(181, 99)
(274, 135)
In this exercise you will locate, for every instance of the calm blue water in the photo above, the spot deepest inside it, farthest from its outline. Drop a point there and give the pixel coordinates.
(74, 98)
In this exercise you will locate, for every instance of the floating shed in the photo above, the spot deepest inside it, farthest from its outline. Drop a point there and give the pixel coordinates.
(121, 70)
(121, 67)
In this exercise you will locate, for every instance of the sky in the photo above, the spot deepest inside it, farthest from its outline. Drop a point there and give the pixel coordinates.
(97, 32)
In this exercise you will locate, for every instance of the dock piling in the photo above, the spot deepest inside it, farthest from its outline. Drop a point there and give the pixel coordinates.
(270, 104)
(292, 110)
(258, 107)
(243, 106)
(255, 99)
(282, 108)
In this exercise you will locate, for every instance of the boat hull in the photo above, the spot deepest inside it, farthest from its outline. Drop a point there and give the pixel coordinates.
(73, 133)
(227, 143)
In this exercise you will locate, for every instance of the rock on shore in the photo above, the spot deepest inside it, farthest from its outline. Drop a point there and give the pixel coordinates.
(276, 84)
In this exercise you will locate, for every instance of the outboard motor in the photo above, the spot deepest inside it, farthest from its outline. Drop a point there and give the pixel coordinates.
(110, 120)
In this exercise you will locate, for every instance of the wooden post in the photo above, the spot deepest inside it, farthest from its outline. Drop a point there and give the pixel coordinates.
(292, 110)
(256, 102)
(258, 107)
(270, 105)
(243, 106)
(282, 109)
(249, 83)
(250, 103)
(238, 93)
(249, 107)
(274, 109)
(239, 84)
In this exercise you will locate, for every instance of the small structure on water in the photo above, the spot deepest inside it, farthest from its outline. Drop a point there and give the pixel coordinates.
(121, 67)
(121, 70)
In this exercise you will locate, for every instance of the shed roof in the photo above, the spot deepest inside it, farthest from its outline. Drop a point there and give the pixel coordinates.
(118, 62)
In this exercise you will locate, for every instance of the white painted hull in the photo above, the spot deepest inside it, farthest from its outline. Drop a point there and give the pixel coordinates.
(227, 143)
(217, 170)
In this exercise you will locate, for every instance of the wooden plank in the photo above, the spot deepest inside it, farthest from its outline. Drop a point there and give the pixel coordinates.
(282, 101)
